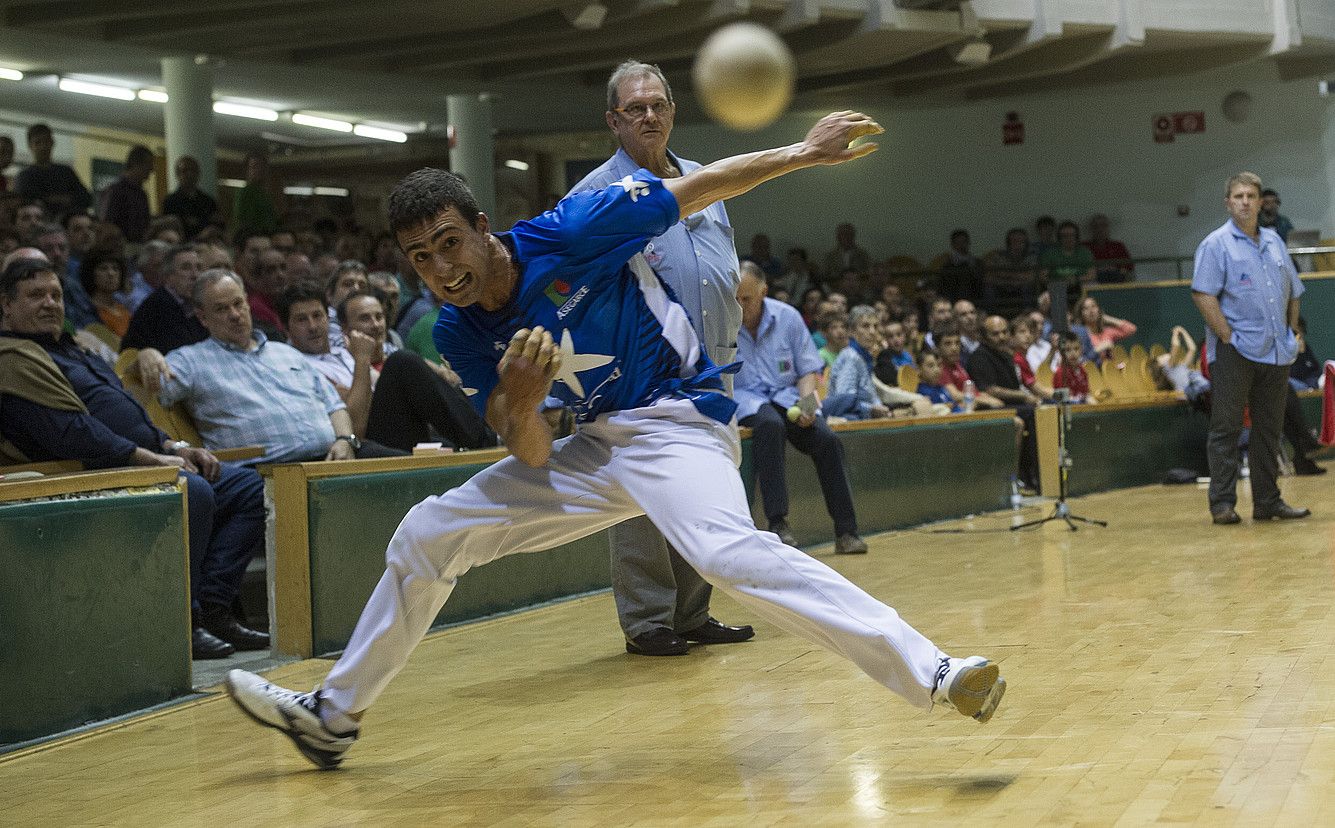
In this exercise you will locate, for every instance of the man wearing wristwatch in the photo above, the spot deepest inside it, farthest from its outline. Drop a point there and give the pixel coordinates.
(62, 403)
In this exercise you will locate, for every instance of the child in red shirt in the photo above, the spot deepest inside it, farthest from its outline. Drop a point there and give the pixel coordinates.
(1070, 374)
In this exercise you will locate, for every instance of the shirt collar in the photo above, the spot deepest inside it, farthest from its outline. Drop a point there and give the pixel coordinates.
(1239, 233)
(860, 351)
(47, 341)
(256, 335)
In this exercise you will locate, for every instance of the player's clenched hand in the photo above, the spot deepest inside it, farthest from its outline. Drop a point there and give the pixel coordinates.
(528, 367)
(828, 141)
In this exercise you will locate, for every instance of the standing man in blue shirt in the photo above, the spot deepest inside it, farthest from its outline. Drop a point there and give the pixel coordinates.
(565, 305)
(780, 365)
(1247, 289)
(662, 603)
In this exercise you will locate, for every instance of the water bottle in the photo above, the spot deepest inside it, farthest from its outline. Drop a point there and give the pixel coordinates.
(970, 394)
(1015, 493)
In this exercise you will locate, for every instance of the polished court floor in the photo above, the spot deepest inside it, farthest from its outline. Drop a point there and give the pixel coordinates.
(1161, 670)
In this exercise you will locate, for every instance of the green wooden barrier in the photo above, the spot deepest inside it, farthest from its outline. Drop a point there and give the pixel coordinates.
(903, 474)
(1116, 446)
(352, 519)
(94, 610)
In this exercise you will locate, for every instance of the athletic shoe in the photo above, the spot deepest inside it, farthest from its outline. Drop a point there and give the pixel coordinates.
(972, 686)
(295, 714)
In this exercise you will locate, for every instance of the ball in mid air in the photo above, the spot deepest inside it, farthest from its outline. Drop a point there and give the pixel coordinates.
(744, 75)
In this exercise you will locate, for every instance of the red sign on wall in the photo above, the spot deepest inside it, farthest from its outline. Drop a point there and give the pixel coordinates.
(1185, 122)
(1012, 131)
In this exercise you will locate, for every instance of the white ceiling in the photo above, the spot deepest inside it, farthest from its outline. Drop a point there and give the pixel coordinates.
(393, 62)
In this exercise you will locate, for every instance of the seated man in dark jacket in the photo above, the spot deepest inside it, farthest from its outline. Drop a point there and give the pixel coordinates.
(226, 502)
(993, 370)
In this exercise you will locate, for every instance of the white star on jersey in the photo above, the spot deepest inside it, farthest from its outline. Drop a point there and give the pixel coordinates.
(636, 189)
(572, 363)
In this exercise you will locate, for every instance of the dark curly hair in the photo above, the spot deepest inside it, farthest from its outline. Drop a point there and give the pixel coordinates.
(88, 270)
(421, 196)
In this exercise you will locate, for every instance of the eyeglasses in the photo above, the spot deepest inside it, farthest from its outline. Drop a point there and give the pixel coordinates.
(638, 112)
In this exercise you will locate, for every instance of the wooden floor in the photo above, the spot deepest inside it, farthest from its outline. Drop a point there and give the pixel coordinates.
(1160, 670)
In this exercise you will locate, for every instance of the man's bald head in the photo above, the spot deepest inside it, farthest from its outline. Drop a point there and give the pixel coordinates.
(23, 253)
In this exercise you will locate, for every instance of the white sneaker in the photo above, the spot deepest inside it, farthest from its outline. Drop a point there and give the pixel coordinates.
(973, 686)
(295, 714)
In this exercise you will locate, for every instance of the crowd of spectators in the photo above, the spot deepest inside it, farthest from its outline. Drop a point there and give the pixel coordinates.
(286, 338)
(975, 329)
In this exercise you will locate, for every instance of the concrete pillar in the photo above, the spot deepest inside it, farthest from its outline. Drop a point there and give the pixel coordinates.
(474, 154)
(1328, 151)
(188, 118)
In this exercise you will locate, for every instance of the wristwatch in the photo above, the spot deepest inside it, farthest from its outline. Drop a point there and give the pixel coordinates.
(352, 441)
(177, 446)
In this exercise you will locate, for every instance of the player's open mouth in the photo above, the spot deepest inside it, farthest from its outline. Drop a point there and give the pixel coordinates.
(457, 284)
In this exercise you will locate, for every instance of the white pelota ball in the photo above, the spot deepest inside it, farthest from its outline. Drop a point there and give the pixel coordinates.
(744, 75)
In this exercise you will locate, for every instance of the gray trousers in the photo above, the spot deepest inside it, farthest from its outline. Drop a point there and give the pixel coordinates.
(652, 584)
(1262, 389)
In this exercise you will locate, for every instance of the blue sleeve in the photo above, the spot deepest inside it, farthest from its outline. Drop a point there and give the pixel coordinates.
(477, 372)
(45, 432)
(178, 387)
(1210, 271)
(1296, 287)
(613, 223)
(806, 357)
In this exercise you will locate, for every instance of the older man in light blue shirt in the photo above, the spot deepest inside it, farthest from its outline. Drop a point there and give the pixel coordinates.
(242, 389)
(662, 603)
(780, 364)
(1247, 289)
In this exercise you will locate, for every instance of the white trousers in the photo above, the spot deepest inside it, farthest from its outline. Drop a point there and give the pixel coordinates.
(666, 461)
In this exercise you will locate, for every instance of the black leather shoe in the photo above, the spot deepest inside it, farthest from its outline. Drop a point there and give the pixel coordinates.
(715, 632)
(219, 621)
(850, 544)
(1225, 517)
(1281, 511)
(206, 645)
(660, 641)
(1306, 468)
(781, 528)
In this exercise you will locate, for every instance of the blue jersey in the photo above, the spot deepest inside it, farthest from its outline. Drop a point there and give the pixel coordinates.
(624, 340)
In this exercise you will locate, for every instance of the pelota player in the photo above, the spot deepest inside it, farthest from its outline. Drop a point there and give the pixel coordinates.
(565, 303)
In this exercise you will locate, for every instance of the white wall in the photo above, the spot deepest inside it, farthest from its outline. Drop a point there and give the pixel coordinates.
(1085, 151)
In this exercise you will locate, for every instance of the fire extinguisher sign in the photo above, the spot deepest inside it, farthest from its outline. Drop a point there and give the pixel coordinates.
(1163, 129)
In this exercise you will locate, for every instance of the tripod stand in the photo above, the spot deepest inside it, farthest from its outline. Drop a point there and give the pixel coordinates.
(1061, 511)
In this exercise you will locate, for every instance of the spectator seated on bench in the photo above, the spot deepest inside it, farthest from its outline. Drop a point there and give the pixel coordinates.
(780, 366)
(241, 388)
(394, 397)
(61, 403)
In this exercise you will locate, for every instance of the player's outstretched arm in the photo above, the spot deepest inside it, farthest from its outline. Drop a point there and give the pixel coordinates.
(526, 372)
(827, 143)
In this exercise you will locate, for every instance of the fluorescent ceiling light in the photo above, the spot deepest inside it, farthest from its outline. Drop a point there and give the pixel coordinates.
(321, 123)
(341, 192)
(259, 113)
(232, 182)
(154, 95)
(302, 191)
(516, 164)
(10, 74)
(380, 134)
(101, 90)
